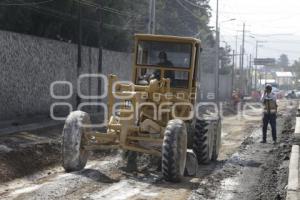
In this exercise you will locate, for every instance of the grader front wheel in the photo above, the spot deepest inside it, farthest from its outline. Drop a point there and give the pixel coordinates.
(174, 151)
(74, 157)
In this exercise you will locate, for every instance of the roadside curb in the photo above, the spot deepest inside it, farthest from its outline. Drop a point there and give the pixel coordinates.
(29, 127)
(39, 123)
(293, 189)
(297, 126)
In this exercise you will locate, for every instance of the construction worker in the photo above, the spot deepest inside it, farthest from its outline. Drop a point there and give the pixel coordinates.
(163, 62)
(235, 100)
(270, 111)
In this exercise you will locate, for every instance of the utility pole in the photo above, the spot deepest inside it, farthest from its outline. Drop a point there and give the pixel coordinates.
(242, 58)
(152, 16)
(256, 56)
(255, 76)
(250, 73)
(217, 57)
(78, 100)
(232, 71)
(100, 27)
(260, 79)
(234, 68)
(241, 69)
(236, 45)
(233, 58)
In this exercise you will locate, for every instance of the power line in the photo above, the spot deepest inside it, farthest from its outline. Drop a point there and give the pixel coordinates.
(296, 42)
(68, 17)
(111, 10)
(251, 13)
(281, 50)
(108, 9)
(193, 4)
(187, 9)
(102, 8)
(26, 3)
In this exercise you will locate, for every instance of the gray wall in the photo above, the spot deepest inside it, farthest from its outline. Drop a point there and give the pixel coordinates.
(30, 64)
(207, 86)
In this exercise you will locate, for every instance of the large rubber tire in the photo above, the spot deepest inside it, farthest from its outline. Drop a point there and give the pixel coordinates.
(174, 151)
(217, 140)
(74, 157)
(203, 141)
(190, 129)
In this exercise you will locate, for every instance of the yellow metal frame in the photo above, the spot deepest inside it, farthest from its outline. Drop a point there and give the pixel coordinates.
(127, 134)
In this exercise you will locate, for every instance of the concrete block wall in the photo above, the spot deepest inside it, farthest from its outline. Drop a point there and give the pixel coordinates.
(207, 86)
(28, 66)
(293, 187)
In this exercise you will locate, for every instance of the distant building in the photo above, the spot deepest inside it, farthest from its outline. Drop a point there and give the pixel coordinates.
(267, 81)
(285, 79)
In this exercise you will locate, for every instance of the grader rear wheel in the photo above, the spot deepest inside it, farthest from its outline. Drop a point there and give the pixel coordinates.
(203, 141)
(190, 129)
(74, 157)
(174, 151)
(217, 140)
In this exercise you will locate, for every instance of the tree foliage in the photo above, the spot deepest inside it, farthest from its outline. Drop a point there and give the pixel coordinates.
(226, 66)
(58, 19)
(296, 68)
(283, 61)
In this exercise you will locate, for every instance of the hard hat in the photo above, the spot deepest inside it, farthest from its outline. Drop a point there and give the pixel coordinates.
(268, 86)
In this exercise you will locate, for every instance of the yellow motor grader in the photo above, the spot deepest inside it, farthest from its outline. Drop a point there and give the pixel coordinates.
(155, 114)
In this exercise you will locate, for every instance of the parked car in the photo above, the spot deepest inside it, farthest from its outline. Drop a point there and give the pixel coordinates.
(291, 94)
(279, 94)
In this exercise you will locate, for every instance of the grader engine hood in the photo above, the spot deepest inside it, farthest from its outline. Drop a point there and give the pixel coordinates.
(127, 102)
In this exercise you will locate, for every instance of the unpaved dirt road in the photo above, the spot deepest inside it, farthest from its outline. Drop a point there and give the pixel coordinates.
(246, 169)
(255, 170)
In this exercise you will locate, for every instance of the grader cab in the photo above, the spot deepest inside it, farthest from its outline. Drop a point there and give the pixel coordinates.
(154, 114)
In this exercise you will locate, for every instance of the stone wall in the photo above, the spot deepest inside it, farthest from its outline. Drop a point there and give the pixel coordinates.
(30, 64)
(207, 87)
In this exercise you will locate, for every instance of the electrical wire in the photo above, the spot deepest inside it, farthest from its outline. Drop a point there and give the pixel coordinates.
(111, 10)
(193, 4)
(281, 50)
(68, 17)
(26, 3)
(188, 10)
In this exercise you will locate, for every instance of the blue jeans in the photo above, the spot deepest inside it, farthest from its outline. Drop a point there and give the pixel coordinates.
(269, 118)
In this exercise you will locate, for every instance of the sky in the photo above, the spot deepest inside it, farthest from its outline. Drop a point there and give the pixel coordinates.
(274, 22)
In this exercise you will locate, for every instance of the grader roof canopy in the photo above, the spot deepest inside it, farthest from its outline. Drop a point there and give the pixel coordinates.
(178, 55)
(166, 38)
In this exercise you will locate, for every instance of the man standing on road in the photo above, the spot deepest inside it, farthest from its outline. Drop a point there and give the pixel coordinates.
(270, 111)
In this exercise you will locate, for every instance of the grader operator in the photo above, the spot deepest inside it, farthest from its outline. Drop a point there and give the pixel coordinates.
(155, 114)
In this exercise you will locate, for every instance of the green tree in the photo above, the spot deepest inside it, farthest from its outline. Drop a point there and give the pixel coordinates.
(225, 60)
(296, 68)
(283, 61)
(121, 19)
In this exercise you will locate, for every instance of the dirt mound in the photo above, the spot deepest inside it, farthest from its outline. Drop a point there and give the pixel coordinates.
(24, 161)
(256, 171)
(274, 176)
